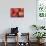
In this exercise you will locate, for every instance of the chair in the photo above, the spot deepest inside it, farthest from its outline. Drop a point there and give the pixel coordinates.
(14, 32)
(26, 41)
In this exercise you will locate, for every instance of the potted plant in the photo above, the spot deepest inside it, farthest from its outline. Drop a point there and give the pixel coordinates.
(35, 26)
(39, 35)
(38, 27)
(42, 27)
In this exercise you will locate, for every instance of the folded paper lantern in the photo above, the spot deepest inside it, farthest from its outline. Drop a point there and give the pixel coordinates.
(17, 12)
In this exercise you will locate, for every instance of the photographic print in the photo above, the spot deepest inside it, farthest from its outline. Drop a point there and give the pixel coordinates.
(17, 12)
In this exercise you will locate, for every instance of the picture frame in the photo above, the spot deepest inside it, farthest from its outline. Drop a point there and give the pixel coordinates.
(17, 12)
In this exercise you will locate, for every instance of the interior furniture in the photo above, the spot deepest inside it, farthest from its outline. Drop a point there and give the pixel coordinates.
(25, 43)
(14, 32)
(8, 35)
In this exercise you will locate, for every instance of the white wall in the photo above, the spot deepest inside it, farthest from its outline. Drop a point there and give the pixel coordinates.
(24, 24)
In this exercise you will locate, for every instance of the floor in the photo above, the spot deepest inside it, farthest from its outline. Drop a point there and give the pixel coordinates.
(13, 44)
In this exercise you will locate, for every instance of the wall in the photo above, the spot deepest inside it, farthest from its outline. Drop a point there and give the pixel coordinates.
(24, 24)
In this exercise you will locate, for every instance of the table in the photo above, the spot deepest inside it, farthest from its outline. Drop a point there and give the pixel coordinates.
(27, 37)
(9, 34)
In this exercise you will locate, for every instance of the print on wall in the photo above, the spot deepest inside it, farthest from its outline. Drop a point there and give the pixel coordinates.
(41, 8)
(17, 12)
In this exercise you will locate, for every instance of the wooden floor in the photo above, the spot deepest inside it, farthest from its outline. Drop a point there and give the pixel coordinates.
(13, 44)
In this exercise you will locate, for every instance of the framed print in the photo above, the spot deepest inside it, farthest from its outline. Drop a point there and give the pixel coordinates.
(41, 8)
(17, 12)
(41, 12)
